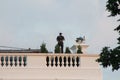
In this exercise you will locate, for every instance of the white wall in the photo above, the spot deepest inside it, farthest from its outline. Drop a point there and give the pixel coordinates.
(36, 68)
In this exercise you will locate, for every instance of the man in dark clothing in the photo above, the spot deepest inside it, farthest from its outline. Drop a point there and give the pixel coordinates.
(60, 39)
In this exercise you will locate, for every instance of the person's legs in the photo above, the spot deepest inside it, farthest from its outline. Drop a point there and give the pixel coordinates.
(61, 48)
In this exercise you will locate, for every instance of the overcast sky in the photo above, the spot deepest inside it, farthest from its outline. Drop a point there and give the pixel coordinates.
(29, 23)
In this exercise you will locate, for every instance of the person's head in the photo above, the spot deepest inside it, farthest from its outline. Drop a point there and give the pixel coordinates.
(60, 33)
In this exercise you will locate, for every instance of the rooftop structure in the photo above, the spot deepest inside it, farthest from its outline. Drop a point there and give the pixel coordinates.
(80, 41)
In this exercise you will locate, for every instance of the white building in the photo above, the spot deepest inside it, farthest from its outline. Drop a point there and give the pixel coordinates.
(35, 66)
(41, 66)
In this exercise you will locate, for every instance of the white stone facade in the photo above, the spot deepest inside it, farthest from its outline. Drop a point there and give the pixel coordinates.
(40, 66)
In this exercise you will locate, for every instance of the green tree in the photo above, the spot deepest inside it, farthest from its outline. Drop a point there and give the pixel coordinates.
(111, 57)
(43, 48)
(67, 50)
(57, 49)
(79, 50)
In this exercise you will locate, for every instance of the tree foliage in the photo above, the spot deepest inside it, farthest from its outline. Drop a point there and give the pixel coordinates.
(79, 51)
(113, 7)
(57, 49)
(43, 48)
(111, 57)
(67, 50)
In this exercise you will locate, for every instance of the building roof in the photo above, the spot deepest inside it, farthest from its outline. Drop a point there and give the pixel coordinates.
(20, 51)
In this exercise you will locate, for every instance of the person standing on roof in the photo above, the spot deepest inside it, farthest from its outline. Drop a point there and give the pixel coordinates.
(60, 40)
